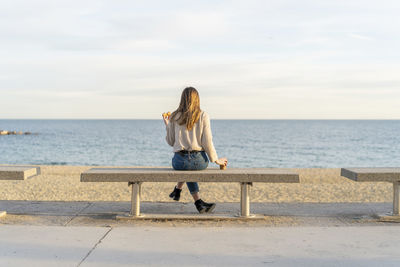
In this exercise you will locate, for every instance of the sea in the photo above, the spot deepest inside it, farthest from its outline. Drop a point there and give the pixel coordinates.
(246, 143)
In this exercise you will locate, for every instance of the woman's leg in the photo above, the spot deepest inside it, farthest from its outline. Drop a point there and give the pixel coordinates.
(176, 193)
(199, 162)
(196, 196)
(194, 190)
(178, 163)
(180, 185)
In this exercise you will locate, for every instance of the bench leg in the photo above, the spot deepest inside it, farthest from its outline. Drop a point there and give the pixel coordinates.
(395, 216)
(135, 200)
(245, 199)
(396, 199)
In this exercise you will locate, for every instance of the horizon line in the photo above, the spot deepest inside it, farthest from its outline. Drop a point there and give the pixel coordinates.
(266, 119)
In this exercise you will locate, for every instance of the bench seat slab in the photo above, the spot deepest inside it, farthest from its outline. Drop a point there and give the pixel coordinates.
(271, 175)
(372, 174)
(18, 172)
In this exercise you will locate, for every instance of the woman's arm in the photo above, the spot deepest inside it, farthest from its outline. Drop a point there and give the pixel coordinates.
(207, 143)
(170, 138)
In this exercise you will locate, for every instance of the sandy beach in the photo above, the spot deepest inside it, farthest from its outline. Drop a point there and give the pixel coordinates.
(62, 183)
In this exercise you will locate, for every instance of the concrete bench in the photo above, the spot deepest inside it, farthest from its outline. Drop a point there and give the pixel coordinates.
(17, 173)
(137, 176)
(390, 175)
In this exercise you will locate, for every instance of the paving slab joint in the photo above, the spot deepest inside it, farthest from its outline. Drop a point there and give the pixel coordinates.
(94, 247)
(78, 213)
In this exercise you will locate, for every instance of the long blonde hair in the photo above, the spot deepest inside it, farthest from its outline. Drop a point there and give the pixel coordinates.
(189, 110)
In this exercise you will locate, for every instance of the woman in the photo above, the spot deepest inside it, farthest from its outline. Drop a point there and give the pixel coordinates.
(189, 133)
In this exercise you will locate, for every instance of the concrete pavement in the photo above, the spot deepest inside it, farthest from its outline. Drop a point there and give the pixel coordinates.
(46, 245)
(292, 234)
(199, 246)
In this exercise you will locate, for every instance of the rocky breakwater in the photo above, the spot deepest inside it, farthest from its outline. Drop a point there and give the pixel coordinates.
(3, 132)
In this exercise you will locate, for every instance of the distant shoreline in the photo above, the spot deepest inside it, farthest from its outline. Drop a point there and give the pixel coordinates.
(5, 132)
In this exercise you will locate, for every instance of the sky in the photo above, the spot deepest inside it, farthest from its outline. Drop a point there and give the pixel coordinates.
(250, 59)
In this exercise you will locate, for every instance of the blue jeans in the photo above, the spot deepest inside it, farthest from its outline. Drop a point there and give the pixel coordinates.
(190, 162)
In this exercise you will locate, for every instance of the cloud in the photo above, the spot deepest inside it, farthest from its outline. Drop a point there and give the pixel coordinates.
(360, 37)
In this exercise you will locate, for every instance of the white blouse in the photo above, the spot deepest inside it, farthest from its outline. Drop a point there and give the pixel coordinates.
(199, 138)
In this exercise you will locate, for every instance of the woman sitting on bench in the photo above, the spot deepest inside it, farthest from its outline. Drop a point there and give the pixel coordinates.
(189, 133)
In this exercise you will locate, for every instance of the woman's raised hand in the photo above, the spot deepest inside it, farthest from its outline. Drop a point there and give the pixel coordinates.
(222, 161)
(166, 116)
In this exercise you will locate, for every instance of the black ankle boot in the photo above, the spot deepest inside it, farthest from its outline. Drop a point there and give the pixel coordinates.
(204, 207)
(176, 194)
